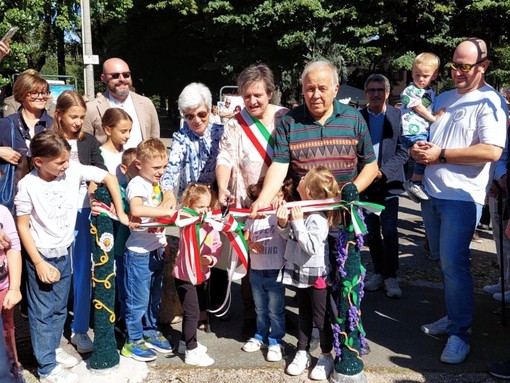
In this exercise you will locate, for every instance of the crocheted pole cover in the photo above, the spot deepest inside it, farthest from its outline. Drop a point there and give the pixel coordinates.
(347, 330)
(105, 354)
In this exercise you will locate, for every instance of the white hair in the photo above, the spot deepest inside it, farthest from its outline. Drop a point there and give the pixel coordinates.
(194, 95)
(314, 65)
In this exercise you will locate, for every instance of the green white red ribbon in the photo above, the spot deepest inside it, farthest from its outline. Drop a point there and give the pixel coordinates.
(190, 221)
(258, 135)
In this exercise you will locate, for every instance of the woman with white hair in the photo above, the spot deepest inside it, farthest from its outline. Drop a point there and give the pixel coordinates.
(194, 147)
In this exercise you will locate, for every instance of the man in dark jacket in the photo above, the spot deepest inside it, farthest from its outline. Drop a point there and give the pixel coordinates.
(383, 122)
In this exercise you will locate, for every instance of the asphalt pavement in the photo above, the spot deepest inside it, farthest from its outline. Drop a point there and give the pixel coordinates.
(400, 352)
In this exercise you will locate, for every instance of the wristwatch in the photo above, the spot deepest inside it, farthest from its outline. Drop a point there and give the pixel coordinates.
(442, 157)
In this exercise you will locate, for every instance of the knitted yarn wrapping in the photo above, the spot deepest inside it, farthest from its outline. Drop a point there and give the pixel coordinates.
(347, 292)
(105, 354)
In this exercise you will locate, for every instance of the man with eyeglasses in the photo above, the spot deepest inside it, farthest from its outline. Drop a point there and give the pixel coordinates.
(117, 77)
(384, 125)
(463, 143)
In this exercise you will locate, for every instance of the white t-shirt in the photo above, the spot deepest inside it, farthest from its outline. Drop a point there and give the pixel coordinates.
(52, 205)
(472, 118)
(135, 137)
(143, 240)
(112, 162)
(264, 231)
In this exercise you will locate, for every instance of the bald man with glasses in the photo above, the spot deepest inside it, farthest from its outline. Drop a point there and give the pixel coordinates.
(462, 145)
(119, 94)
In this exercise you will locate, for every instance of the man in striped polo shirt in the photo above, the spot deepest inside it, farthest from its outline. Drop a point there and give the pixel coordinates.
(321, 132)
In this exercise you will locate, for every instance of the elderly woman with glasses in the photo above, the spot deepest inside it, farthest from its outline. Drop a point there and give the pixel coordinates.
(16, 131)
(194, 147)
(193, 156)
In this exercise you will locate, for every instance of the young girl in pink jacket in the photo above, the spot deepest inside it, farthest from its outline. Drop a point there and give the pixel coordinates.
(196, 197)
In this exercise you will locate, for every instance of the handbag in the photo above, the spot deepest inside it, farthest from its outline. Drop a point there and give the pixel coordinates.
(7, 180)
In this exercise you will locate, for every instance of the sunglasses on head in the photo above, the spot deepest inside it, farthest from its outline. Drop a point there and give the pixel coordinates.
(463, 67)
(191, 117)
(115, 76)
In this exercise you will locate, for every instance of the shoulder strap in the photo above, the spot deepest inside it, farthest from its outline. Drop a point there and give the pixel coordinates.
(12, 130)
(257, 134)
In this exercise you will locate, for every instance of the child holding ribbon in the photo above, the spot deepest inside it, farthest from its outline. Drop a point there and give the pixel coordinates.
(70, 112)
(198, 198)
(307, 266)
(143, 255)
(266, 249)
(46, 207)
(117, 126)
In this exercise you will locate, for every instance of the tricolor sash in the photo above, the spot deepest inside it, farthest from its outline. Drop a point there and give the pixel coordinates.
(258, 135)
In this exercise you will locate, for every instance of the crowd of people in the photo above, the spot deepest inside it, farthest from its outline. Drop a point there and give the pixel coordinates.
(259, 156)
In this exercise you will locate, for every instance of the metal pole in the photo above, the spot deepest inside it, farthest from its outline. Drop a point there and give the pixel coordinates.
(502, 254)
(86, 34)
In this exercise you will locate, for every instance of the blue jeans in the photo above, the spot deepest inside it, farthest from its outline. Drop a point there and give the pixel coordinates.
(450, 226)
(82, 272)
(144, 283)
(382, 237)
(47, 311)
(269, 297)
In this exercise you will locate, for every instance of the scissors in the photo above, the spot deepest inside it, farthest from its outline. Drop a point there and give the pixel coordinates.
(226, 210)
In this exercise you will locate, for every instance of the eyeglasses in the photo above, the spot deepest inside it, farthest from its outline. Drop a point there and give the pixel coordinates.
(375, 90)
(115, 76)
(463, 67)
(35, 94)
(191, 117)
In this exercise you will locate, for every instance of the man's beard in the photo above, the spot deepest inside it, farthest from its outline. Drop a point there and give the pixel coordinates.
(120, 92)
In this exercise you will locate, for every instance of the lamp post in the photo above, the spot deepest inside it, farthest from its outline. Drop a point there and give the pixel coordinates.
(88, 58)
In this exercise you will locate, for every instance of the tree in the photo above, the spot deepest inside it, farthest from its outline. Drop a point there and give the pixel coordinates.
(46, 29)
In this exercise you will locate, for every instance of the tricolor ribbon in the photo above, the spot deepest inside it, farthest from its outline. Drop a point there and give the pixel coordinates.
(258, 135)
(190, 221)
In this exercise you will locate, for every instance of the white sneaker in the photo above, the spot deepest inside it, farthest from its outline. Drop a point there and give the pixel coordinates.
(323, 368)
(492, 289)
(252, 345)
(198, 358)
(438, 327)
(182, 347)
(65, 359)
(455, 350)
(417, 191)
(274, 353)
(374, 282)
(499, 296)
(60, 375)
(301, 361)
(392, 288)
(82, 342)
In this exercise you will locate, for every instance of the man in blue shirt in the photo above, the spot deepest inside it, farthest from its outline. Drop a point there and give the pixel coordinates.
(383, 122)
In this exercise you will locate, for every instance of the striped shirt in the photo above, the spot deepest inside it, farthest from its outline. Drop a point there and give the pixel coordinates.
(342, 144)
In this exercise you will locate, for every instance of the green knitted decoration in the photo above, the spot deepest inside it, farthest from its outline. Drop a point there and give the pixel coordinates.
(348, 291)
(105, 354)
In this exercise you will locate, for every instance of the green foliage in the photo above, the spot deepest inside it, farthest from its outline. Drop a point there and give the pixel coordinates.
(212, 41)
(44, 33)
(405, 61)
